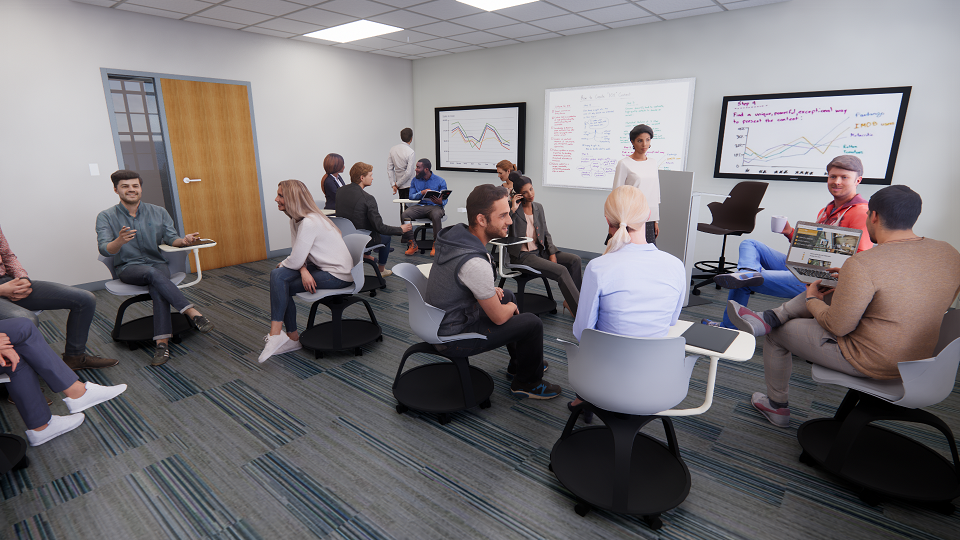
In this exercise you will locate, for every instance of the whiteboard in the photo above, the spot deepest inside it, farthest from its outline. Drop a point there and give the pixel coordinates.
(586, 129)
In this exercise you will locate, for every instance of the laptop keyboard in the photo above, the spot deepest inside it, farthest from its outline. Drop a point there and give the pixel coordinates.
(819, 274)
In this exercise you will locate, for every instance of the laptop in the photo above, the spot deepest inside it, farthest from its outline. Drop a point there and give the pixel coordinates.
(816, 247)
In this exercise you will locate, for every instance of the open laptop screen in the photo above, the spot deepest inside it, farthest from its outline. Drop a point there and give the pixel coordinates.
(823, 245)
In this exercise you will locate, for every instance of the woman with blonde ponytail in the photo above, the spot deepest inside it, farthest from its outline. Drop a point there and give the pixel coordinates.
(633, 289)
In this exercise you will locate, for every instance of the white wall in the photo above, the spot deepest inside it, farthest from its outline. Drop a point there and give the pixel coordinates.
(308, 100)
(802, 45)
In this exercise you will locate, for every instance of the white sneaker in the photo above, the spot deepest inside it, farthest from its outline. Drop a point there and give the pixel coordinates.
(290, 346)
(94, 395)
(273, 344)
(56, 426)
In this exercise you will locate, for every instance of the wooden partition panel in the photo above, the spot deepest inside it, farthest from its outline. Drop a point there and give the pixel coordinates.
(211, 139)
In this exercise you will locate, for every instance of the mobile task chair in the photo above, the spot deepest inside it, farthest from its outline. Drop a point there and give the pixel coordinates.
(141, 330)
(440, 387)
(629, 382)
(526, 302)
(879, 463)
(370, 283)
(340, 334)
(735, 216)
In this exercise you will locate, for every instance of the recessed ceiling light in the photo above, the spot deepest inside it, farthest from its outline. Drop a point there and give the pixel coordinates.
(493, 5)
(353, 31)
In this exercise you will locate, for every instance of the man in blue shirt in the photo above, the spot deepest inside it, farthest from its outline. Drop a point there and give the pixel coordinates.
(132, 232)
(432, 207)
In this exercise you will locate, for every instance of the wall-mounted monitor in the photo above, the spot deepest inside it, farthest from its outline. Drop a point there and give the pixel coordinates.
(475, 138)
(793, 136)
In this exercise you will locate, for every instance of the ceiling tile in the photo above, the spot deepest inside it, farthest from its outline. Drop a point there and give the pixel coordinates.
(465, 49)
(532, 11)
(411, 49)
(500, 43)
(315, 41)
(376, 42)
(235, 15)
(615, 13)
(476, 38)
(268, 32)
(269, 7)
(691, 12)
(353, 47)
(443, 29)
(214, 22)
(319, 16)
(516, 30)
(669, 6)
(548, 35)
(445, 9)
(152, 11)
(403, 19)
(632, 22)
(400, 3)
(356, 8)
(408, 36)
(101, 3)
(748, 3)
(583, 30)
(436, 53)
(388, 53)
(580, 5)
(182, 6)
(293, 27)
(442, 44)
(564, 22)
(411, 57)
(482, 21)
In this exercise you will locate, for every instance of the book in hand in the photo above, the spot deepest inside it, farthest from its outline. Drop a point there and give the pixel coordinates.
(440, 194)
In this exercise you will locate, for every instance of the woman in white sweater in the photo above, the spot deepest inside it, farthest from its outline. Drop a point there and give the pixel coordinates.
(640, 171)
(318, 260)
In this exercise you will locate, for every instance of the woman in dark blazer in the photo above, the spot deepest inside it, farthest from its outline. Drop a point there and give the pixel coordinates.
(542, 254)
(332, 181)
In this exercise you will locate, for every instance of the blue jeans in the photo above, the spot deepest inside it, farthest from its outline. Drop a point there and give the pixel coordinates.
(36, 358)
(772, 265)
(384, 252)
(284, 283)
(162, 291)
(46, 295)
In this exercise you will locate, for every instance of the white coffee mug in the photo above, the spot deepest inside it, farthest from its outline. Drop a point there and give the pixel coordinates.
(777, 223)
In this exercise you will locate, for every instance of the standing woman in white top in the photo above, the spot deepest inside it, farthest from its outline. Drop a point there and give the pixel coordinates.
(318, 260)
(612, 299)
(640, 171)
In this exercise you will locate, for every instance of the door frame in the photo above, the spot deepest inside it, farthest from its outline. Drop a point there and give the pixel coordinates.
(178, 218)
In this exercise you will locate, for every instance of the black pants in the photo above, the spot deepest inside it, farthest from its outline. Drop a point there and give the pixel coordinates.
(523, 336)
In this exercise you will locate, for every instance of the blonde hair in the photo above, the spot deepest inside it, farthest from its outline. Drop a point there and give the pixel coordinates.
(626, 209)
(298, 203)
(358, 171)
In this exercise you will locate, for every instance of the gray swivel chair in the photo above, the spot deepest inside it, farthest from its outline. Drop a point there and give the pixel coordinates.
(370, 283)
(628, 382)
(880, 463)
(341, 334)
(441, 387)
(522, 274)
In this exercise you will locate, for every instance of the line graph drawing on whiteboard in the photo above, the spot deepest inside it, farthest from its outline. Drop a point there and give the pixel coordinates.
(801, 152)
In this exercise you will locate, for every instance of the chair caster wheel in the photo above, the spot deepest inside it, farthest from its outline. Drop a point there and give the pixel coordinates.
(582, 509)
(133, 345)
(358, 352)
(695, 292)
(553, 311)
(373, 293)
(177, 339)
(718, 287)
(380, 338)
(869, 497)
(653, 522)
(443, 418)
(401, 408)
(485, 404)
(946, 508)
(25, 462)
(550, 467)
(807, 460)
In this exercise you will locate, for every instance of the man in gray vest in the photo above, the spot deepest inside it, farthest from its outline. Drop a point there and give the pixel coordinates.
(461, 283)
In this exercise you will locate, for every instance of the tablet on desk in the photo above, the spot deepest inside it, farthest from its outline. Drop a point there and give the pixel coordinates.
(201, 243)
(710, 338)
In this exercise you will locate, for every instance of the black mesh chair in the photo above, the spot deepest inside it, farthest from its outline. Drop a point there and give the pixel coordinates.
(734, 216)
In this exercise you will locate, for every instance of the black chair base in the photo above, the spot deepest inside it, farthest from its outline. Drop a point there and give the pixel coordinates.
(441, 387)
(537, 304)
(13, 453)
(420, 237)
(340, 334)
(616, 468)
(881, 464)
(138, 331)
(374, 282)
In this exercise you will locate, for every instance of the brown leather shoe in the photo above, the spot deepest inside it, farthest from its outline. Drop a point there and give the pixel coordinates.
(88, 361)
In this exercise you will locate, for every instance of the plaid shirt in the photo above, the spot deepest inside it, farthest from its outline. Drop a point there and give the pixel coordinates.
(9, 265)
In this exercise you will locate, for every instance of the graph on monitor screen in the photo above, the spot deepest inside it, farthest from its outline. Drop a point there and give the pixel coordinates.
(474, 138)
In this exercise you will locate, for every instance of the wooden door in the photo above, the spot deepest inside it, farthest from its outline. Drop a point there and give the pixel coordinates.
(211, 138)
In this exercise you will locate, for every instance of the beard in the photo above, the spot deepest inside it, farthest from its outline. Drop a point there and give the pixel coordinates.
(420, 175)
(493, 231)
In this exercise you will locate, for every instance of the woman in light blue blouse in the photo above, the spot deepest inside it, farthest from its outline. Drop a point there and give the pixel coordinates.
(633, 289)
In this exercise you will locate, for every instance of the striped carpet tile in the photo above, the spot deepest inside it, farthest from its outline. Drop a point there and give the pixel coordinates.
(65, 488)
(268, 422)
(35, 528)
(170, 382)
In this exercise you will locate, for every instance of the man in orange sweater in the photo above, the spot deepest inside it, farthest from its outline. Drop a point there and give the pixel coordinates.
(887, 307)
